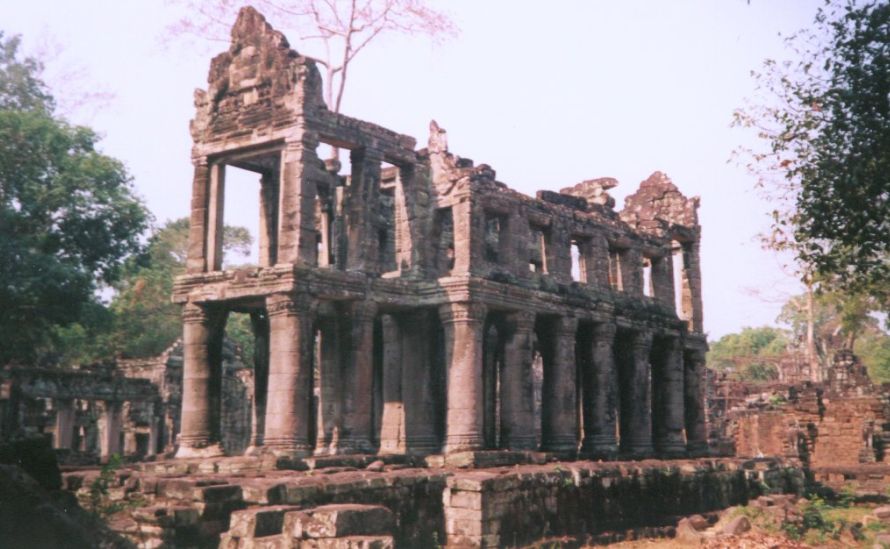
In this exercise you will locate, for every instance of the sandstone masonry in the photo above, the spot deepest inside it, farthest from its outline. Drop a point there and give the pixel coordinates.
(413, 304)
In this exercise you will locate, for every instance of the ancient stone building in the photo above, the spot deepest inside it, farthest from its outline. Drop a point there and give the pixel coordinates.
(130, 407)
(93, 412)
(403, 303)
(841, 422)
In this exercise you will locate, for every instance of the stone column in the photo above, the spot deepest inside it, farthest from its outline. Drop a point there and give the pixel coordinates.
(329, 410)
(517, 385)
(694, 409)
(361, 210)
(669, 438)
(153, 430)
(290, 375)
(639, 394)
(259, 323)
(392, 430)
(109, 429)
(65, 414)
(463, 324)
(359, 380)
(196, 259)
(196, 423)
(296, 201)
(418, 384)
(560, 413)
(601, 394)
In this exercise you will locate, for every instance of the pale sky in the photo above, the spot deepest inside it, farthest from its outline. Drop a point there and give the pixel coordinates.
(548, 94)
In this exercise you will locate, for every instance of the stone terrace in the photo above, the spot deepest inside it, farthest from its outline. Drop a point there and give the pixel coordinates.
(345, 502)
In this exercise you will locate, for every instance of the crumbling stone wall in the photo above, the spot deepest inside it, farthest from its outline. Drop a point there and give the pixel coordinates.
(843, 422)
(401, 304)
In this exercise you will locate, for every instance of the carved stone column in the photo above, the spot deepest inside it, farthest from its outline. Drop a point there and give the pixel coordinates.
(290, 375)
(297, 241)
(639, 394)
(694, 409)
(361, 208)
(197, 430)
(463, 324)
(359, 380)
(418, 384)
(560, 407)
(517, 385)
(601, 394)
(65, 414)
(259, 323)
(669, 438)
(392, 429)
(109, 429)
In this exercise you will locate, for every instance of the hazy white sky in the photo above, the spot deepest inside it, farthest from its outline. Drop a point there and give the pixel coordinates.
(548, 94)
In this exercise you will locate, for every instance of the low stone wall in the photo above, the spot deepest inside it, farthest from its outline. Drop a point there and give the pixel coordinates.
(580, 499)
(245, 500)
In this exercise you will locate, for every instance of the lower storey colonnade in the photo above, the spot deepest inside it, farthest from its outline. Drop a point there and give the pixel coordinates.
(353, 377)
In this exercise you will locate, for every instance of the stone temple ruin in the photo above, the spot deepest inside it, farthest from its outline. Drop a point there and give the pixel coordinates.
(413, 304)
(428, 343)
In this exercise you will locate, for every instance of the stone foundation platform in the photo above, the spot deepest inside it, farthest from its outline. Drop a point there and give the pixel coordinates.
(249, 502)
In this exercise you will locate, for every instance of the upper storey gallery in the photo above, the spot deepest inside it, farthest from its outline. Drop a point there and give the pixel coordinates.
(391, 211)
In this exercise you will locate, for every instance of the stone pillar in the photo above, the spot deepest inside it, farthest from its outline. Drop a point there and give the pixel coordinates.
(290, 375)
(517, 385)
(197, 432)
(560, 411)
(467, 252)
(639, 394)
(694, 409)
(65, 414)
(418, 385)
(296, 202)
(259, 322)
(463, 325)
(669, 438)
(601, 394)
(329, 411)
(153, 430)
(359, 380)
(268, 230)
(392, 430)
(109, 429)
(361, 210)
(631, 272)
(196, 257)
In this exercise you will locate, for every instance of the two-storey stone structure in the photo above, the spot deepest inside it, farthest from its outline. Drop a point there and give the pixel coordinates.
(414, 304)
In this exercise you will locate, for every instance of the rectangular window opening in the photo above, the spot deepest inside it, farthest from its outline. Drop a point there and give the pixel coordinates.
(648, 288)
(615, 269)
(537, 262)
(579, 261)
(241, 229)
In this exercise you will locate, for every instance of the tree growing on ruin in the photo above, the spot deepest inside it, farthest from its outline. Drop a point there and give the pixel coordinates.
(69, 215)
(824, 122)
(145, 321)
(336, 31)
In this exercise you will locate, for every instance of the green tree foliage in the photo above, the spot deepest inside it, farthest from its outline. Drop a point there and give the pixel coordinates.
(145, 321)
(825, 120)
(69, 215)
(750, 354)
(842, 321)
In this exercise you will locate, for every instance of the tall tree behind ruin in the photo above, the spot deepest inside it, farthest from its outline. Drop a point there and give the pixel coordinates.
(69, 215)
(824, 121)
(336, 30)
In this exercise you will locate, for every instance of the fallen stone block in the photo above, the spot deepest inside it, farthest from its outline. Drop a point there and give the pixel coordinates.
(258, 521)
(736, 526)
(333, 521)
